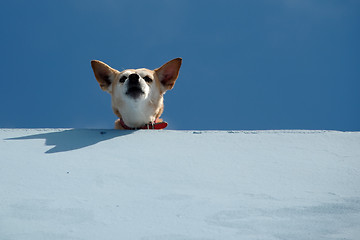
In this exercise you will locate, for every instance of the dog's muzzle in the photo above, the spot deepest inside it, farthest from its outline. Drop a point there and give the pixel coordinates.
(133, 86)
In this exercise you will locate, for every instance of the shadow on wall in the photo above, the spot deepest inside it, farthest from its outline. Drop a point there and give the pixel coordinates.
(73, 139)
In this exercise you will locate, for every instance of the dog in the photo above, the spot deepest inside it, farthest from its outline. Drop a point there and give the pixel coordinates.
(137, 95)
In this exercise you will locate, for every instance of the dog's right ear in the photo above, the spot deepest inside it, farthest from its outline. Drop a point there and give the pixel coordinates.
(104, 74)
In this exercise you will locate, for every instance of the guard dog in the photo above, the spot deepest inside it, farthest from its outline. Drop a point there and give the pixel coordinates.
(137, 95)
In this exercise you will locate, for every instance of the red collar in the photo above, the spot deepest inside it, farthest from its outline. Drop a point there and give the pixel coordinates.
(151, 125)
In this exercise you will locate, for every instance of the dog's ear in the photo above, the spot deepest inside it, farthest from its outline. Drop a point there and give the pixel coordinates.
(168, 73)
(104, 74)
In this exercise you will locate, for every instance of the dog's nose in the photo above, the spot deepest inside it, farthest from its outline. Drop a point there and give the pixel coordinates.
(133, 79)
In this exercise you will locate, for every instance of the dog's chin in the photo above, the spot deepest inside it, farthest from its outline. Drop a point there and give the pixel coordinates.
(135, 92)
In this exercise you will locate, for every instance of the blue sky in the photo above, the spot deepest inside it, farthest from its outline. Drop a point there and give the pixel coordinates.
(282, 64)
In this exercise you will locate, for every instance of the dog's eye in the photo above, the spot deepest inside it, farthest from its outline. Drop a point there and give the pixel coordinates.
(148, 79)
(122, 79)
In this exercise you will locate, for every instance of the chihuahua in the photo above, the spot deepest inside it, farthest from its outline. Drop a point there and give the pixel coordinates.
(137, 94)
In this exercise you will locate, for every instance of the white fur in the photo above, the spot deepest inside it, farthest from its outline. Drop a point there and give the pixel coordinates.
(137, 113)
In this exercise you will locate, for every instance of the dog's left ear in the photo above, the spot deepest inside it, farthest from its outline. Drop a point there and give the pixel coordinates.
(168, 73)
(104, 74)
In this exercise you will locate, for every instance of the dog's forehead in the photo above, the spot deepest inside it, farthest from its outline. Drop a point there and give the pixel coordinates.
(140, 71)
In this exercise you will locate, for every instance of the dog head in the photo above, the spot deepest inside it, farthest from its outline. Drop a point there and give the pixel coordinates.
(137, 94)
